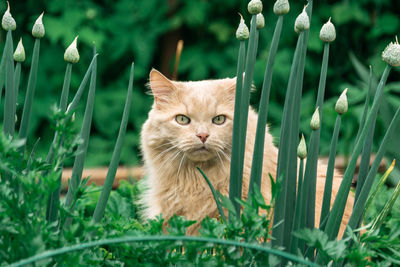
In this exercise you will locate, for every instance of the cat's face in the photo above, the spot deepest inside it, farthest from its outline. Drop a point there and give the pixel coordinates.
(194, 119)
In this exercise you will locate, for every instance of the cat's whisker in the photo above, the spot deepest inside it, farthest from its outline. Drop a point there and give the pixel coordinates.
(165, 151)
(164, 144)
(163, 166)
(180, 164)
(220, 159)
(225, 155)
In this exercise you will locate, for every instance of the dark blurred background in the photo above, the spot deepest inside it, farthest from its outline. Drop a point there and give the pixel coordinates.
(147, 33)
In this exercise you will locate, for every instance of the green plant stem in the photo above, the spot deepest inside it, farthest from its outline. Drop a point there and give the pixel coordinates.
(30, 92)
(366, 152)
(236, 191)
(84, 134)
(130, 239)
(17, 79)
(293, 143)
(336, 215)
(312, 160)
(365, 158)
(54, 199)
(235, 176)
(365, 155)
(215, 195)
(310, 179)
(75, 101)
(258, 154)
(9, 102)
(297, 218)
(366, 104)
(62, 106)
(2, 70)
(322, 79)
(358, 209)
(287, 165)
(283, 152)
(112, 170)
(326, 202)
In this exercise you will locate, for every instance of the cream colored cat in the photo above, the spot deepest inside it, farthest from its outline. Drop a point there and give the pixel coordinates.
(189, 125)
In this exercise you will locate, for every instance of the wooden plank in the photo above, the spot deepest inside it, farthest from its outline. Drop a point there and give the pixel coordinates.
(98, 175)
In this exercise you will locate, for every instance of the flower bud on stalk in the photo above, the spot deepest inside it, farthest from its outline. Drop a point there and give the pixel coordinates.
(38, 28)
(242, 32)
(391, 54)
(302, 22)
(260, 21)
(342, 105)
(281, 7)
(328, 32)
(71, 54)
(315, 123)
(19, 54)
(302, 148)
(8, 22)
(254, 7)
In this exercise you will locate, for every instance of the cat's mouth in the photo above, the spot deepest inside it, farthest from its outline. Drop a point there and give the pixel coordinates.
(201, 149)
(202, 153)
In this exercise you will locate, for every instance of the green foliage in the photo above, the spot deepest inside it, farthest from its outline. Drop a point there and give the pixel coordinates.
(25, 232)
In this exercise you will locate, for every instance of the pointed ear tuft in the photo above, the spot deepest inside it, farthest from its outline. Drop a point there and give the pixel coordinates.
(161, 86)
(231, 86)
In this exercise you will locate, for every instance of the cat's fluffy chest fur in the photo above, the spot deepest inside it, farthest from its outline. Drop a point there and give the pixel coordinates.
(183, 131)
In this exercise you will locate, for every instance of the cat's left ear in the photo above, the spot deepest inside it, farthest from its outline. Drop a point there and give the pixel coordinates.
(230, 87)
(161, 86)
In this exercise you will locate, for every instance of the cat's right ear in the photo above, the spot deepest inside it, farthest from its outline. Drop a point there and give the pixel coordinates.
(161, 87)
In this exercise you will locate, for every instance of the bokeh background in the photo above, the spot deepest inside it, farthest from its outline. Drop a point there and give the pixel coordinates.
(147, 32)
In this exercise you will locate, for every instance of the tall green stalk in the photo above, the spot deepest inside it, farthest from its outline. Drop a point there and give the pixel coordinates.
(336, 215)
(326, 202)
(17, 79)
(312, 161)
(235, 189)
(84, 134)
(287, 159)
(341, 107)
(365, 158)
(30, 92)
(302, 154)
(235, 176)
(54, 199)
(105, 193)
(283, 152)
(245, 99)
(2, 71)
(9, 103)
(70, 109)
(366, 151)
(258, 154)
(366, 104)
(358, 209)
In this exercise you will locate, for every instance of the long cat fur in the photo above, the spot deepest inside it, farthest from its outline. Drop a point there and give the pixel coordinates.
(173, 184)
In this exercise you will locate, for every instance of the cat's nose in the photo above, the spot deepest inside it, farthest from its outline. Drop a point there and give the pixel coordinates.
(203, 136)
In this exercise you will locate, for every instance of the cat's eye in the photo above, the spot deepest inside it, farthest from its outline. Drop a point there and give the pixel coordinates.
(220, 119)
(182, 119)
